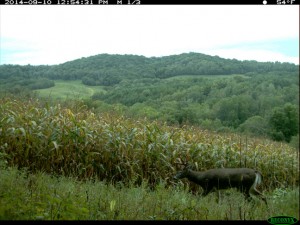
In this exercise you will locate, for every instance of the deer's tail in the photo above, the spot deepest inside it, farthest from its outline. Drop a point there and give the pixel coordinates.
(257, 181)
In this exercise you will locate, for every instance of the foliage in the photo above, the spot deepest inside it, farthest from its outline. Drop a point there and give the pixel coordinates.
(295, 141)
(125, 143)
(15, 85)
(107, 69)
(211, 102)
(26, 196)
(255, 125)
(69, 90)
(74, 141)
(285, 122)
(191, 88)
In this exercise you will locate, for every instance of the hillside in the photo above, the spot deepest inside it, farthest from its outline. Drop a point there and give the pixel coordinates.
(208, 91)
(83, 139)
(105, 69)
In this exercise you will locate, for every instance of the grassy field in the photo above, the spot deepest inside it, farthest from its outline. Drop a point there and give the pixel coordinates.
(124, 168)
(26, 196)
(74, 89)
(69, 90)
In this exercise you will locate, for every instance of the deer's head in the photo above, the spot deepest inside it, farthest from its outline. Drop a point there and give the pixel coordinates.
(183, 173)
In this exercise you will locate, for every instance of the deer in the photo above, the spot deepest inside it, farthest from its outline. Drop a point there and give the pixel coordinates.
(244, 179)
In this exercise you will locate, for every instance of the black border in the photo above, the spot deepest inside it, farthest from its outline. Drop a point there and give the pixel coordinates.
(150, 2)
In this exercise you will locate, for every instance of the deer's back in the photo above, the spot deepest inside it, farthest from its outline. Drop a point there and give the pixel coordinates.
(230, 177)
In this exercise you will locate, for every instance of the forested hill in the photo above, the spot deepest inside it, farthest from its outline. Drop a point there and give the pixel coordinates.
(105, 69)
(250, 97)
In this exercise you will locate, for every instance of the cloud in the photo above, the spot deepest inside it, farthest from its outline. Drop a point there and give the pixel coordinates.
(285, 50)
(254, 54)
(55, 34)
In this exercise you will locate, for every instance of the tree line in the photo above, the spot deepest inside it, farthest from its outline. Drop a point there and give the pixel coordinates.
(260, 98)
(254, 104)
(108, 70)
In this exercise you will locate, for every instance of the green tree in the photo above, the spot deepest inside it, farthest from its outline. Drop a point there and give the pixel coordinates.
(254, 125)
(284, 122)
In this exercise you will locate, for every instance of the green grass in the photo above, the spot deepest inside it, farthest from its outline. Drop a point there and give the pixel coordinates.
(26, 196)
(124, 167)
(69, 90)
(76, 141)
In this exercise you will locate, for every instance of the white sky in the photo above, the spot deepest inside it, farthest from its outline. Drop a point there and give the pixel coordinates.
(55, 34)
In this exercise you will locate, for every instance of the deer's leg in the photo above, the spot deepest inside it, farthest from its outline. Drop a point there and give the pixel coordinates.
(219, 196)
(254, 191)
(246, 193)
(206, 191)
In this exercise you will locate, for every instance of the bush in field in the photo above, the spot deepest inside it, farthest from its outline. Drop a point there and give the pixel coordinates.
(72, 140)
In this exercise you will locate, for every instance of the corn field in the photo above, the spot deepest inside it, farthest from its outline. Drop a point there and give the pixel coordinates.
(72, 140)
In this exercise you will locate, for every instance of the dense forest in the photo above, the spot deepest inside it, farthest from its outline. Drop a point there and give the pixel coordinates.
(108, 70)
(213, 93)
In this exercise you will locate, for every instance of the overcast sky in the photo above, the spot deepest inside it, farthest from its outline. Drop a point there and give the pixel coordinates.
(55, 34)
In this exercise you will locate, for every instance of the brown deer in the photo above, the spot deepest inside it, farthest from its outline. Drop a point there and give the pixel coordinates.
(244, 179)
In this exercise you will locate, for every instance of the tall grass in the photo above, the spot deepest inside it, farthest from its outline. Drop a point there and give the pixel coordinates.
(38, 196)
(74, 141)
